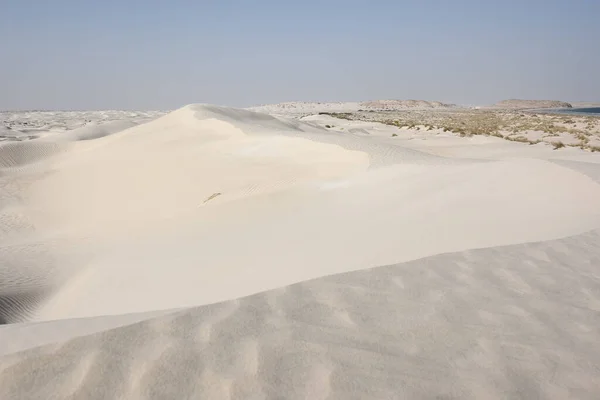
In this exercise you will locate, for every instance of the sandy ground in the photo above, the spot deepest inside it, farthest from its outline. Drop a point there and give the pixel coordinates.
(552, 128)
(33, 123)
(506, 322)
(222, 253)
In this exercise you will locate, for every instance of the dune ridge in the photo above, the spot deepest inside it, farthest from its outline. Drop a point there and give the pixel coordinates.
(226, 253)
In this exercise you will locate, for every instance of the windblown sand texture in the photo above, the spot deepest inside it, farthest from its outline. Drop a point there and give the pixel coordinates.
(228, 254)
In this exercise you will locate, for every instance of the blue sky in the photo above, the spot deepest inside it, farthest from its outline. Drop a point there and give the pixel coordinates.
(87, 54)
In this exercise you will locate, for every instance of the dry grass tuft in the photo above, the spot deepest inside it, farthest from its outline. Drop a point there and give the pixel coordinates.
(509, 125)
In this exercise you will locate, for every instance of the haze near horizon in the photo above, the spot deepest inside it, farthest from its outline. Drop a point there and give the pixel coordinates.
(137, 55)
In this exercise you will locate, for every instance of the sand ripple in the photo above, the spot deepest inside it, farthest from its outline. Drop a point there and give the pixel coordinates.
(518, 321)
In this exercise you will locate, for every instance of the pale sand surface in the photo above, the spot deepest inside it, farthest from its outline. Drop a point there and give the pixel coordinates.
(547, 127)
(101, 229)
(521, 321)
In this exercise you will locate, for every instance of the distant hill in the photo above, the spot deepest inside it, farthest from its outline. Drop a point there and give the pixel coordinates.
(524, 104)
(402, 104)
(375, 105)
(584, 104)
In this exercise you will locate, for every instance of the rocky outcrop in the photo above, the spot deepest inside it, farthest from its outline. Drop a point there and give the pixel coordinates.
(402, 104)
(531, 104)
(308, 108)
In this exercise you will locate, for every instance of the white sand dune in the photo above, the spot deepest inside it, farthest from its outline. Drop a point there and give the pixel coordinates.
(210, 204)
(95, 131)
(507, 322)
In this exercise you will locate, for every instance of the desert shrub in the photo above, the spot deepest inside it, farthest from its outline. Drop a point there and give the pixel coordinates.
(520, 139)
(337, 115)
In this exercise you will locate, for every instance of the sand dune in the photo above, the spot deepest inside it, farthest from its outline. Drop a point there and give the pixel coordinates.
(63, 121)
(18, 154)
(508, 322)
(152, 235)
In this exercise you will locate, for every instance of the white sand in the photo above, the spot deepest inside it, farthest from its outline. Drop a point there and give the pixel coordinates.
(208, 204)
(309, 108)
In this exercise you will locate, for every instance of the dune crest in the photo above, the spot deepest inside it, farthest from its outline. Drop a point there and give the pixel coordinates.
(235, 202)
(225, 253)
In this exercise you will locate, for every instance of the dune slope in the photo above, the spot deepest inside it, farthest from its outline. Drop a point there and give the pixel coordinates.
(236, 202)
(518, 321)
(155, 261)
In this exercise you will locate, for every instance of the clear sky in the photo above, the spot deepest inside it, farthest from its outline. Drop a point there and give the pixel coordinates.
(146, 54)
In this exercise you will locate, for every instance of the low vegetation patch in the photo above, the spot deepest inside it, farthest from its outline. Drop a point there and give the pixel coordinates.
(347, 116)
(521, 139)
(506, 124)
